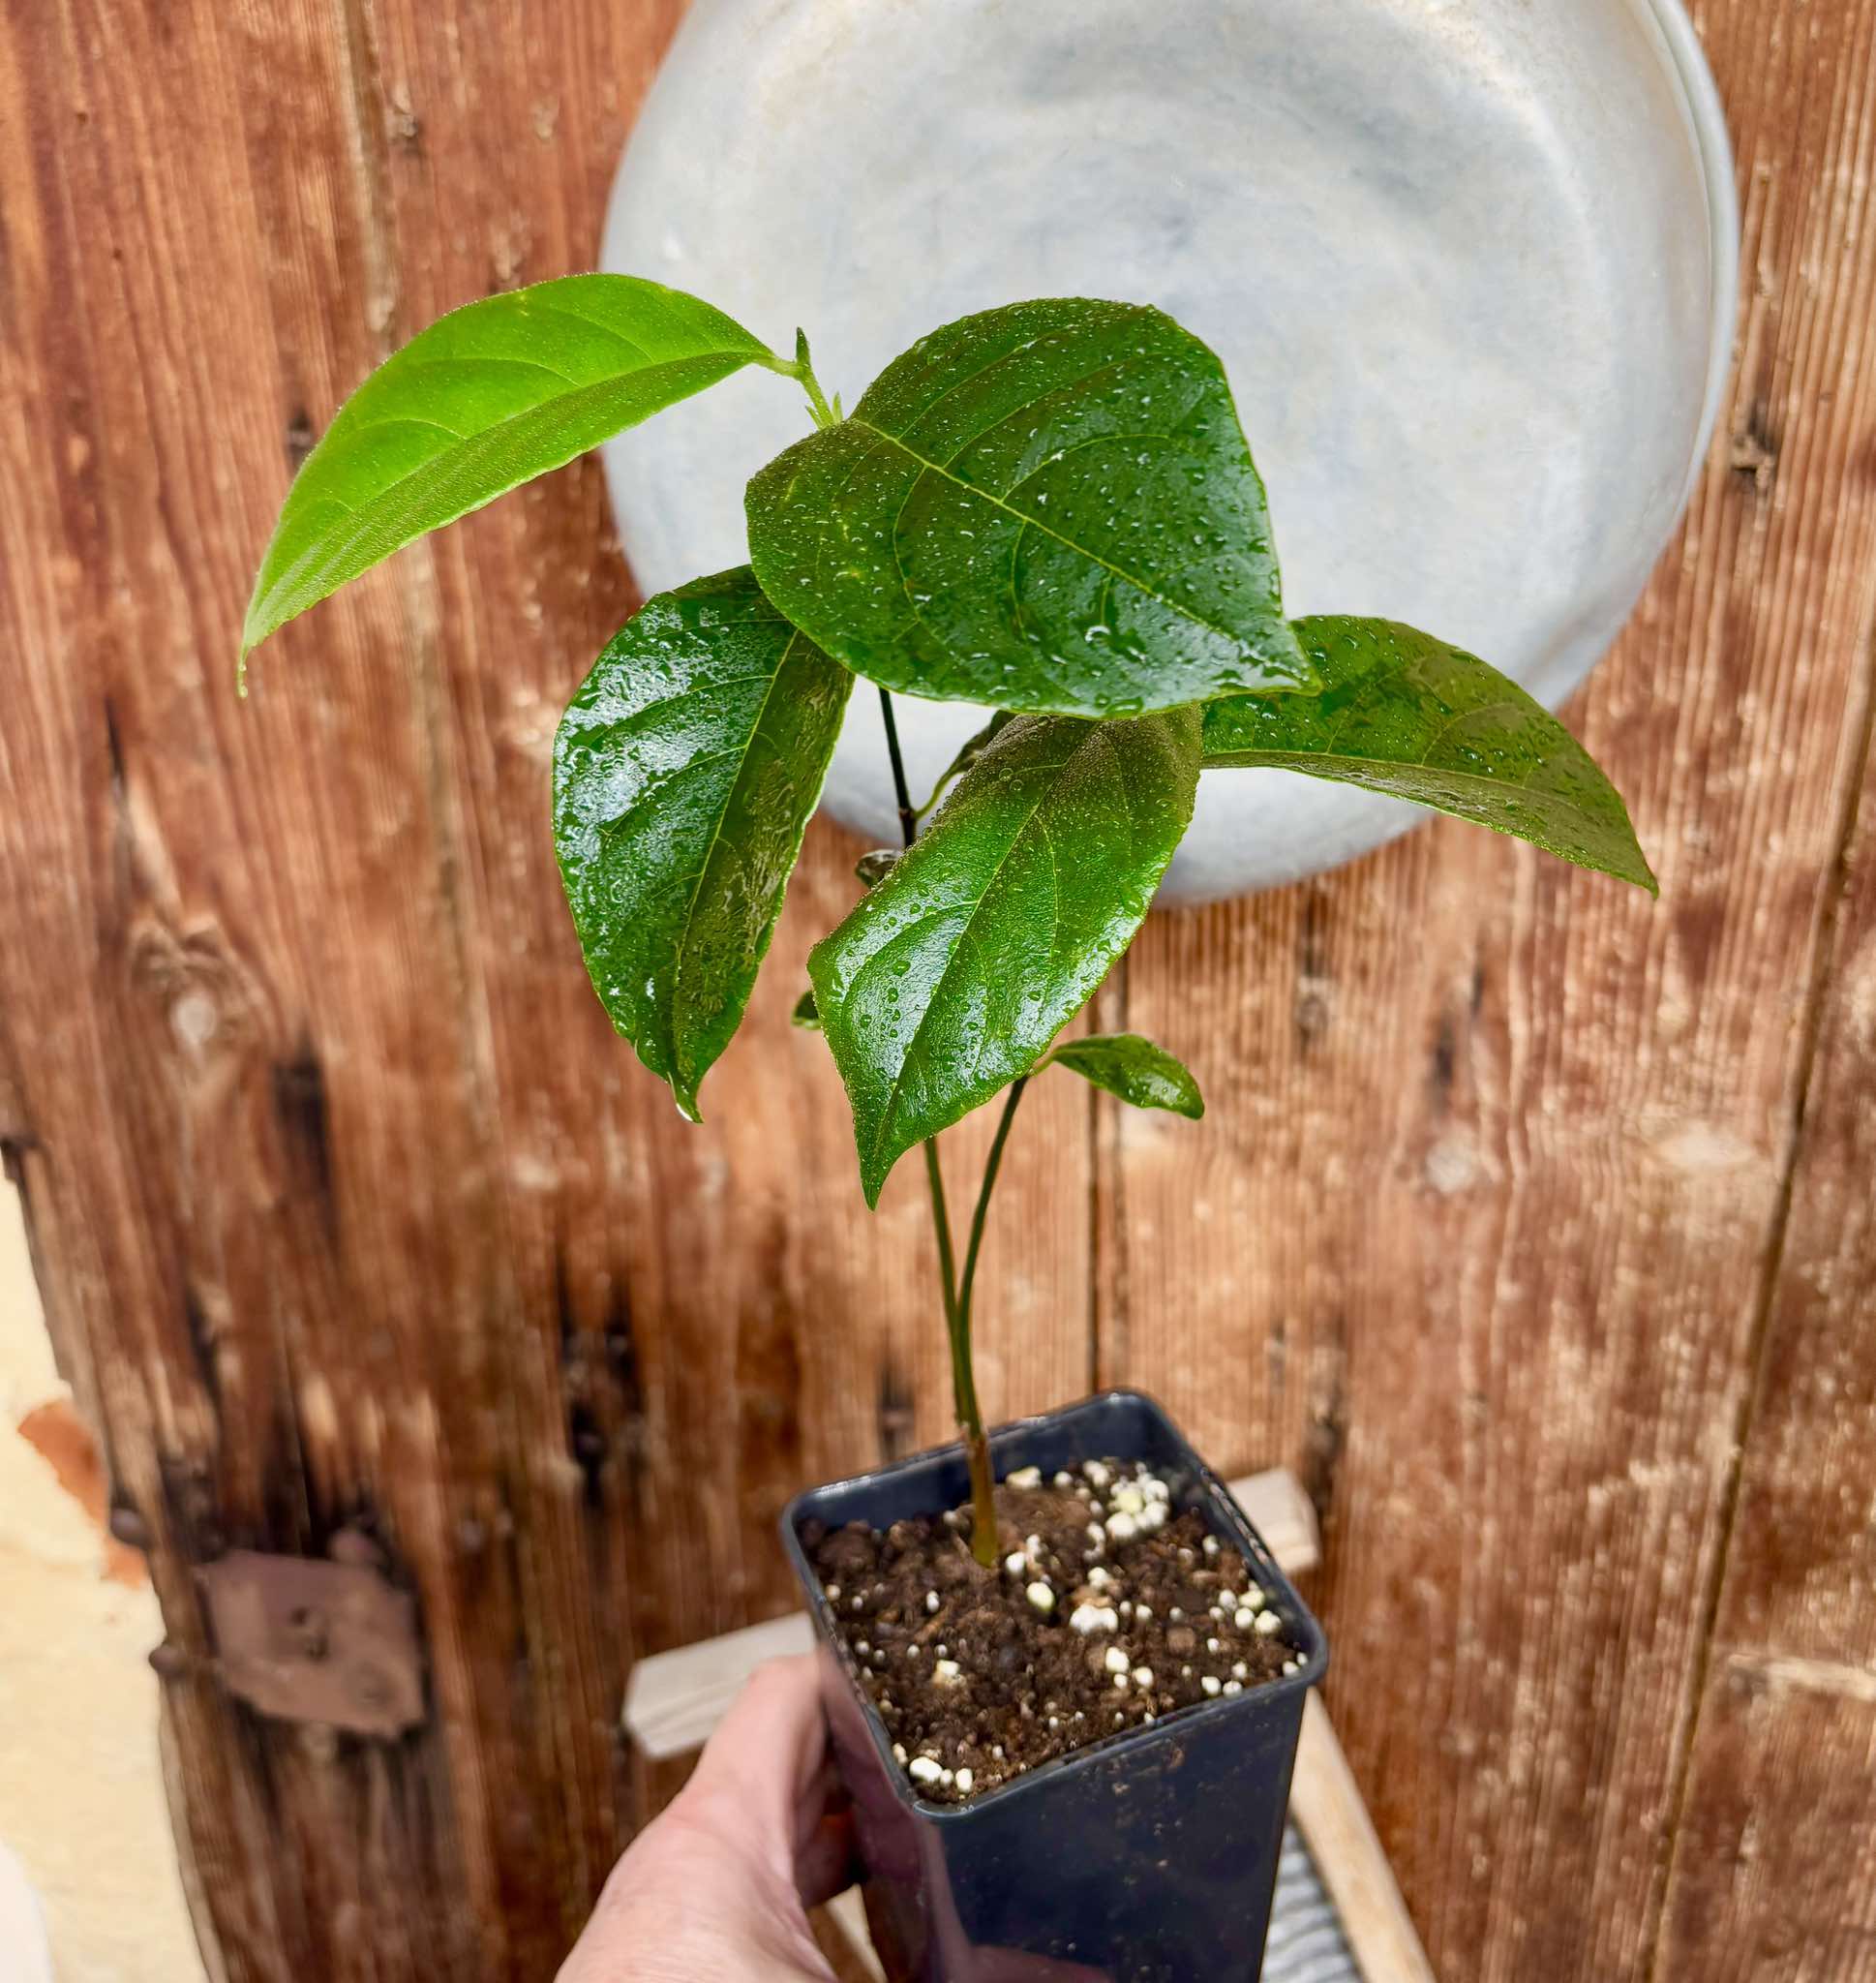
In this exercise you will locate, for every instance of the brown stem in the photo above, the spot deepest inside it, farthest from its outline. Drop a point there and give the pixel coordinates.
(970, 1417)
(984, 1533)
(958, 1318)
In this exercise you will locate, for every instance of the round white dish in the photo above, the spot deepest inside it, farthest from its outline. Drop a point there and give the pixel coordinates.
(1470, 265)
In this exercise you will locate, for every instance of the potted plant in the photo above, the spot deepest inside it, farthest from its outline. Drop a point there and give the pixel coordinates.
(1067, 1704)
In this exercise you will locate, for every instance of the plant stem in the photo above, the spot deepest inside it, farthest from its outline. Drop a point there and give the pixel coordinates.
(908, 818)
(982, 1210)
(957, 1300)
(970, 1422)
(801, 368)
(983, 1522)
(957, 1321)
(941, 1225)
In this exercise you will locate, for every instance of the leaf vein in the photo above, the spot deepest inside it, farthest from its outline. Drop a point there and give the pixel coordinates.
(1140, 585)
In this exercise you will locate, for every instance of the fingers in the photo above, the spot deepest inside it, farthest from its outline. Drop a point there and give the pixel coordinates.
(824, 1866)
(760, 1782)
(761, 1759)
(715, 1887)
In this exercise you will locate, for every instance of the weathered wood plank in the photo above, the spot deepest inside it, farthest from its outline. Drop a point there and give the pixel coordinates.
(1775, 1859)
(347, 1205)
(1775, 1855)
(346, 1199)
(254, 1138)
(779, 1334)
(252, 1162)
(774, 1331)
(1473, 1234)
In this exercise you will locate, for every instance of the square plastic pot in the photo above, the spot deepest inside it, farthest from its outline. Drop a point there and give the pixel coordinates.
(1146, 1858)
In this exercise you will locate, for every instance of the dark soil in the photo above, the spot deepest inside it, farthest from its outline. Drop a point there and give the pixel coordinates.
(1105, 1611)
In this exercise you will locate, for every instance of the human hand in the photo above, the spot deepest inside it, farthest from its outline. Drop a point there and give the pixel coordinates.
(719, 1885)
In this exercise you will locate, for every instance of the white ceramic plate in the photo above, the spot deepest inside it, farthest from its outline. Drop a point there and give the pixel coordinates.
(1469, 263)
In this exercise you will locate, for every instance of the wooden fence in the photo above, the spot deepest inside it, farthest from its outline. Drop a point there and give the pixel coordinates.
(1530, 1222)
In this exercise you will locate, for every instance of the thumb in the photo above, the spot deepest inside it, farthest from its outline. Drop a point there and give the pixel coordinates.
(709, 1890)
(759, 1785)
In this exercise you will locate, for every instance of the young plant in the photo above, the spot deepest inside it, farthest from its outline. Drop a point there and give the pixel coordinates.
(1049, 508)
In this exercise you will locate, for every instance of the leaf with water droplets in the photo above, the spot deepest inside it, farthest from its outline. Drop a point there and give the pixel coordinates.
(952, 975)
(1404, 713)
(968, 752)
(1131, 1067)
(685, 773)
(1048, 507)
(485, 399)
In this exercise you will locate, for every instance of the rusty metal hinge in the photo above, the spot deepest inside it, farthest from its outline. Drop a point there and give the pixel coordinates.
(310, 1641)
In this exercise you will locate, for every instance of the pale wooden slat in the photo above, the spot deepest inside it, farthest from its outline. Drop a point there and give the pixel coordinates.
(674, 1699)
(848, 1913)
(1327, 1806)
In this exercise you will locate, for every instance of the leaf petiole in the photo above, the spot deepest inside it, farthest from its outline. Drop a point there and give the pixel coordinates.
(990, 1168)
(901, 792)
(968, 752)
(801, 369)
(958, 1315)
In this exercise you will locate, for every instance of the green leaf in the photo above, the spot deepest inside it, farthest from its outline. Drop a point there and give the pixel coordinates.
(968, 752)
(1050, 506)
(1134, 1069)
(488, 397)
(685, 773)
(1404, 713)
(955, 972)
(805, 1016)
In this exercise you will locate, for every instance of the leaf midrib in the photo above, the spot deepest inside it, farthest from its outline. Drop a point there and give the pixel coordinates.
(385, 497)
(1035, 523)
(1261, 758)
(1323, 764)
(896, 1095)
(717, 830)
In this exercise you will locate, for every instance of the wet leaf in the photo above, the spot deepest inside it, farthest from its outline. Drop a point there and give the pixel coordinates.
(805, 1015)
(1404, 713)
(968, 752)
(1048, 506)
(1133, 1068)
(955, 972)
(873, 867)
(488, 397)
(685, 773)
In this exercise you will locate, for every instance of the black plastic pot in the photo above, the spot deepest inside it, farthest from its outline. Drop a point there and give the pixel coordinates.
(1147, 1859)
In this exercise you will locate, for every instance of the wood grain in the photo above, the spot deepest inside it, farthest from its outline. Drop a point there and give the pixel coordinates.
(346, 1202)
(251, 1158)
(1518, 1206)
(732, 1321)
(1775, 1859)
(1477, 1240)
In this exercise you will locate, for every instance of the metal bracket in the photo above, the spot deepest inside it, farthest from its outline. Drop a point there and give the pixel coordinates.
(303, 1640)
